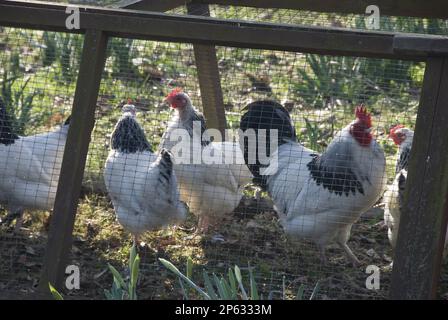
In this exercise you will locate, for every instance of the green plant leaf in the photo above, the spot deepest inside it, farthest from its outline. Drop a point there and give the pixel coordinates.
(315, 290)
(176, 271)
(300, 292)
(132, 256)
(118, 279)
(134, 278)
(56, 295)
(209, 287)
(240, 282)
(253, 286)
(189, 268)
(232, 282)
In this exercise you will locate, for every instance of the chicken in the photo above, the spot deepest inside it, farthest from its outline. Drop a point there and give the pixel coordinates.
(29, 168)
(142, 185)
(212, 175)
(317, 196)
(394, 194)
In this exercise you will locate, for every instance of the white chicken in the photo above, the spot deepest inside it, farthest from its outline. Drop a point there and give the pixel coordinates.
(318, 196)
(394, 195)
(29, 168)
(142, 185)
(212, 188)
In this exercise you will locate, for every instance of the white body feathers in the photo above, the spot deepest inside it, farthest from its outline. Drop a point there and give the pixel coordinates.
(30, 168)
(211, 189)
(141, 200)
(307, 209)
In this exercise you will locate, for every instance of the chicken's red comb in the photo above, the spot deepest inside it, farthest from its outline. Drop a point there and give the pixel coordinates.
(395, 128)
(174, 92)
(129, 101)
(362, 114)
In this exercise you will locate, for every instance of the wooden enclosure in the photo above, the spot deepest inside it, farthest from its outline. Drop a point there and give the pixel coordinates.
(424, 222)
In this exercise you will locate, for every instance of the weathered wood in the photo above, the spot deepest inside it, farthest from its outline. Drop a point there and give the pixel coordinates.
(412, 44)
(75, 154)
(415, 8)
(206, 30)
(209, 78)
(423, 222)
(151, 5)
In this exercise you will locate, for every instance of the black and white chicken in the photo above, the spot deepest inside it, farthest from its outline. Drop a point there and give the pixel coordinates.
(317, 196)
(394, 195)
(142, 185)
(29, 168)
(212, 183)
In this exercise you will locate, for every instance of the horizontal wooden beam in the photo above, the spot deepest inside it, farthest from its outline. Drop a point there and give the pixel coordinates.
(206, 30)
(151, 5)
(412, 44)
(415, 8)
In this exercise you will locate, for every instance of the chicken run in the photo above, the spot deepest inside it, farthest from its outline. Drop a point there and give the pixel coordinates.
(309, 203)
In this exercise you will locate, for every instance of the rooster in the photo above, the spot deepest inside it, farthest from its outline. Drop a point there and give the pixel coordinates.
(142, 185)
(211, 190)
(29, 168)
(317, 196)
(394, 195)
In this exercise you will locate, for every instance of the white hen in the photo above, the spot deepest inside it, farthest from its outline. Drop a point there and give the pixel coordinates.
(29, 167)
(319, 197)
(141, 184)
(213, 185)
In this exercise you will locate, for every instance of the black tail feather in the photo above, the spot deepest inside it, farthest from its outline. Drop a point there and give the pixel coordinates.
(7, 136)
(266, 115)
(166, 167)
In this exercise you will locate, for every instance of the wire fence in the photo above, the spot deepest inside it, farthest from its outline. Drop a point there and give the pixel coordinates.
(39, 71)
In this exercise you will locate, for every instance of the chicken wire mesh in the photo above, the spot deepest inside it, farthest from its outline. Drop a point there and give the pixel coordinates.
(320, 93)
(38, 70)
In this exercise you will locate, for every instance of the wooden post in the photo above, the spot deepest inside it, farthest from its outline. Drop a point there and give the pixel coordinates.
(423, 224)
(78, 139)
(209, 79)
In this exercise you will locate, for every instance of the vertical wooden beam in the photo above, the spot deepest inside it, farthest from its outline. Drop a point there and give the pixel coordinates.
(423, 224)
(209, 79)
(78, 139)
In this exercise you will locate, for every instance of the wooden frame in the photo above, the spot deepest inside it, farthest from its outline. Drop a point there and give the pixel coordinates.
(212, 31)
(425, 214)
(151, 5)
(427, 196)
(416, 8)
(73, 163)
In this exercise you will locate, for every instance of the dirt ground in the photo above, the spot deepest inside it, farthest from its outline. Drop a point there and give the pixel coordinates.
(251, 236)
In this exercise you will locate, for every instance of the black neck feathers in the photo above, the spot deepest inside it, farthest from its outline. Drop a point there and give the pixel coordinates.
(128, 136)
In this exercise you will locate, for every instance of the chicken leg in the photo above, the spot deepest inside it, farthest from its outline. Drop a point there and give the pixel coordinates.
(355, 261)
